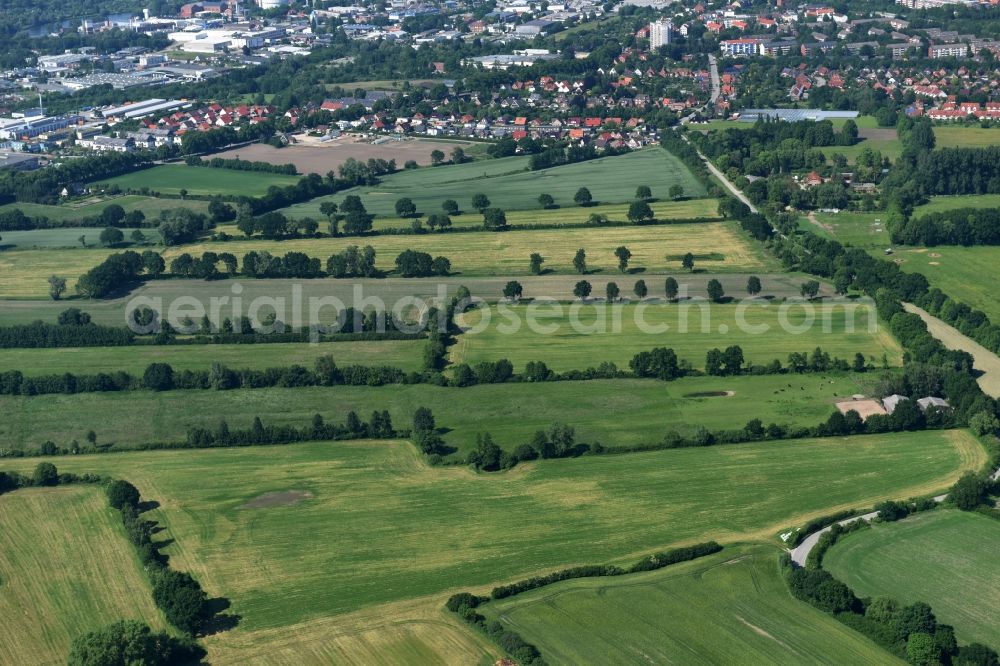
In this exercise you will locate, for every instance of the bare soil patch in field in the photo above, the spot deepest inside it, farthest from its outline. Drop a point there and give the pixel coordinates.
(877, 134)
(280, 498)
(311, 156)
(864, 408)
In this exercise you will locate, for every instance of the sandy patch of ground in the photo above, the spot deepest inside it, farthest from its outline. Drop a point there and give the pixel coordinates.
(933, 263)
(984, 360)
(311, 156)
(864, 408)
(280, 498)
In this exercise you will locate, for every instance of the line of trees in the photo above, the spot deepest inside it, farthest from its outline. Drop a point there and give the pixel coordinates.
(163, 377)
(83, 333)
(44, 186)
(961, 226)
(242, 165)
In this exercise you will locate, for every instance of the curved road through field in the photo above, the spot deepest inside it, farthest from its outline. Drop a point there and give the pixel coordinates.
(801, 553)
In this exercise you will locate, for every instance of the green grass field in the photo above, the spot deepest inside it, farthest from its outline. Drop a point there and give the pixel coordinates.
(965, 137)
(863, 122)
(718, 246)
(644, 410)
(664, 210)
(69, 237)
(134, 359)
(509, 186)
(661, 617)
(946, 558)
(94, 206)
(966, 274)
(941, 204)
(377, 526)
(577, 336)
(172, 178)
(65, 568)
(865, 230)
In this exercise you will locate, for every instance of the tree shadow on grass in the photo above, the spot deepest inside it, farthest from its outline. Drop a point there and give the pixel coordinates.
(148, 505)
(218, 620)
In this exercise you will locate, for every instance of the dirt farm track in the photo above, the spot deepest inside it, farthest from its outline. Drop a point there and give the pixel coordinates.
(309, 155)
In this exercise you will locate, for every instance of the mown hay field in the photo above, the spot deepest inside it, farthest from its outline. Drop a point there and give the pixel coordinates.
(376, 526)
(66, 568)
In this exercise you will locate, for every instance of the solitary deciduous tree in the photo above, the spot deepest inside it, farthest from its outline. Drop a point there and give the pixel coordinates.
(536, 263)
(623, 254)
(513, 290)
(580, 262)
(546, 200)
(688, 262)
(405, 207)
(715, 290)
(480, 202)
(612, 291)
(809, 289)
(643, 192)
(583, 197)
(753, 285)
(670, 288)
(494, 219)
(640, 289)
(450, 206)
(676, 191)
(582, 289)
(436, 157)
(57, 287)
(639, 211)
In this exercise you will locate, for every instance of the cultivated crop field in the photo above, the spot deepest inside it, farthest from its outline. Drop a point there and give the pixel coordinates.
(661, 617)
(65, 568)
(616, 333)
(510, 186)
(310, 156)
(644, 410)
(172, 178)
(375, 525)
(134, 359)
(717, 246)
(946, 558)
